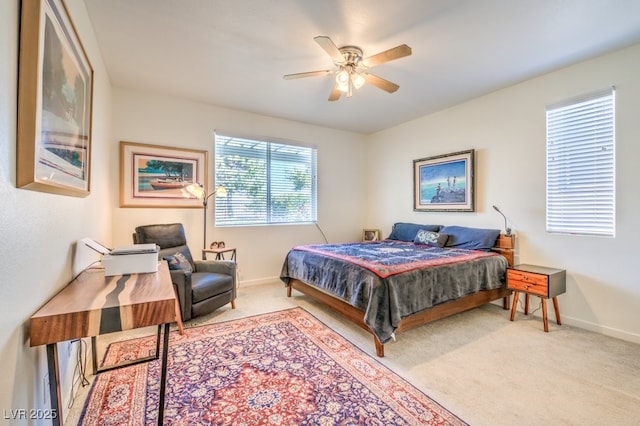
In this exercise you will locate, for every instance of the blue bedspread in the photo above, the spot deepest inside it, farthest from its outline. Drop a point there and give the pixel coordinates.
(390, 280)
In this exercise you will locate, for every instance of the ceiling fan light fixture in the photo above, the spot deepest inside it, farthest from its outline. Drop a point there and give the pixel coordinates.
(358, 80)
(342, 77)
(352, 67)
(342, 80)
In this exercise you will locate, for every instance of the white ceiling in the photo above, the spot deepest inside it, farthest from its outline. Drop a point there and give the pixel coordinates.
(234, 53)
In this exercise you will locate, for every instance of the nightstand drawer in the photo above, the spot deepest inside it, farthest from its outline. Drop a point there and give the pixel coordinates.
(529, 287)
(528, 282)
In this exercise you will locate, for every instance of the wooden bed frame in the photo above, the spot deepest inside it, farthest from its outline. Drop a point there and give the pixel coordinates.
(505, 245)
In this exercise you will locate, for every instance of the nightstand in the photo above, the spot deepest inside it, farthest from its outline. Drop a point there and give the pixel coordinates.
(538, 281)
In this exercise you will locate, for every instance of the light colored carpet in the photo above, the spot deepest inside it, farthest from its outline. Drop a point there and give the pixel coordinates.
(479, 365)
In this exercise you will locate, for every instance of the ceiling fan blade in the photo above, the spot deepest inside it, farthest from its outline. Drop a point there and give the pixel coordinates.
(330, 47)
(388, 55)
(380, 83)
(307, 74)
(335, 93)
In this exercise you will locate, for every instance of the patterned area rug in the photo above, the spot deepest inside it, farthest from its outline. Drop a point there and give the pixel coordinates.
(281, 368)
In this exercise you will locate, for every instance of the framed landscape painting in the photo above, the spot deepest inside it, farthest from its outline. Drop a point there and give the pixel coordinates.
(55, 89)
(157, 176)
(444, 182)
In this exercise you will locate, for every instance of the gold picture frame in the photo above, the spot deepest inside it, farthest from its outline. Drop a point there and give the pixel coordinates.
(157, 176)
(55, 95)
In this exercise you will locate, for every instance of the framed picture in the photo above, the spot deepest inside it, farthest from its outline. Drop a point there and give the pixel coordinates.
(370, 235)
(444, 182)
(55, 89)
(157, 176)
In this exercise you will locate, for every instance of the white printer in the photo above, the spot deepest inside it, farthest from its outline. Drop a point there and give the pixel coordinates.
(132, 259)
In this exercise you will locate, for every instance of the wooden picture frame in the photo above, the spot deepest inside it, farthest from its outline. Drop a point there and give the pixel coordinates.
(55, 95)
(444, 182)
(157, 176)
(370, 235)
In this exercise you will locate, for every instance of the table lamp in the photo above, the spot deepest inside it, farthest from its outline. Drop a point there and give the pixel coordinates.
(507, 230)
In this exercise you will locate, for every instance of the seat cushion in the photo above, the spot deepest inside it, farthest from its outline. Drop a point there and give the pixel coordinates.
(207, 284)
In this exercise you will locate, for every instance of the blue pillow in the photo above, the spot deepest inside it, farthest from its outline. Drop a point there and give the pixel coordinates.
(470, 238)
(407, 231)
(178, 261)
(431, 238)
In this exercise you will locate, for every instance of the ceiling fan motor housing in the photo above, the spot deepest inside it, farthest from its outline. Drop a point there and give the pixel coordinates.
(352, 56)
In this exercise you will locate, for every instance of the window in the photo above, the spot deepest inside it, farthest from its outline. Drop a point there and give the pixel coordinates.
(266, 182)
(581, 165)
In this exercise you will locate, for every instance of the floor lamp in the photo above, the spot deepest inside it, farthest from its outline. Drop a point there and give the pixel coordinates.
(197, 190)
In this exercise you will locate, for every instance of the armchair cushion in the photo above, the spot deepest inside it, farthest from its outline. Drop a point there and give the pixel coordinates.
(205, 285)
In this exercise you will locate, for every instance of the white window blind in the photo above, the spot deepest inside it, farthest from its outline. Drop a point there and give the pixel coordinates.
(266, 182)
(581, 165)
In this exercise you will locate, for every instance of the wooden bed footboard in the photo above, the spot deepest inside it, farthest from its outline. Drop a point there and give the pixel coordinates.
(443, 310)
(505, 245)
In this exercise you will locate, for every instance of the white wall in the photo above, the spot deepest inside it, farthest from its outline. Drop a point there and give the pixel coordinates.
(159, 120)
(507, 130)
(38, 254)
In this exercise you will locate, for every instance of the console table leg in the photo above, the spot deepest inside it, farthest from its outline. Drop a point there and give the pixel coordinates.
(163, 374)
(544, 315)
(94, 355)
(54, 384)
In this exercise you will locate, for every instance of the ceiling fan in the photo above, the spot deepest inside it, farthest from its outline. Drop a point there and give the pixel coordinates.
(352, 69)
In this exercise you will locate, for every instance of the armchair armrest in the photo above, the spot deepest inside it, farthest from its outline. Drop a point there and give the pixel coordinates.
(227, 267)
(182, 282)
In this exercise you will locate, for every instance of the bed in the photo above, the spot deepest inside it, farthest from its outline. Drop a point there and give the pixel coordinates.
(419, 274)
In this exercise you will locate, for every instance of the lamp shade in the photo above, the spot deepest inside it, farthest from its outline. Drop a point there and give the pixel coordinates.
(342, 79)
(196, 189)
(358, 80)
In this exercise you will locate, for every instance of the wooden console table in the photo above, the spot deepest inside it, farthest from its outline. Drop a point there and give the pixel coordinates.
(93, 304)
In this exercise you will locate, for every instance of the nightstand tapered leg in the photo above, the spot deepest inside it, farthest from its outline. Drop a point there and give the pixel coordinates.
(526, 303)
(556, 308)
(515, 305)
(544, 315)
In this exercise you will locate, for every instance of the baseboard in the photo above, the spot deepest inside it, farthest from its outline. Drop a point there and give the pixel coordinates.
(585, 325)
(249, 283)
(602, 329)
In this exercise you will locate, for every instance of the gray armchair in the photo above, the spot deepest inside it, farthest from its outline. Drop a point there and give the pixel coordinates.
(211, 283)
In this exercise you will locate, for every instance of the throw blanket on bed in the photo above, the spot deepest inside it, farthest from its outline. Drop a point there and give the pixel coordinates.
(388, 257)
(390, 280)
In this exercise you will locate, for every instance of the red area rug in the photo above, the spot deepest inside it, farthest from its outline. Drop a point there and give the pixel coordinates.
(281, 368)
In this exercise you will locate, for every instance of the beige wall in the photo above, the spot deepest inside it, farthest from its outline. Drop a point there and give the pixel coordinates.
(507, 130)
(364, 182)
(38, 253)
(159, 120)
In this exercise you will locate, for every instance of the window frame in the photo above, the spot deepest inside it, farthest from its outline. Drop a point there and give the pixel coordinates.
(273, 185)
(581, 165)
